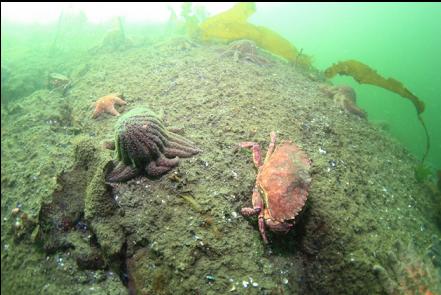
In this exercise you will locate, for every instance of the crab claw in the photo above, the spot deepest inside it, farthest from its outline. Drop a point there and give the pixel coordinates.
(247, 212)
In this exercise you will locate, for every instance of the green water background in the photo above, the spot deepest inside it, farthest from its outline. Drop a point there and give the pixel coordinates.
(399, 40)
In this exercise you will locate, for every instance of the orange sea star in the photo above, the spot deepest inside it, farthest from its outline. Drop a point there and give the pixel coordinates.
(107, 104)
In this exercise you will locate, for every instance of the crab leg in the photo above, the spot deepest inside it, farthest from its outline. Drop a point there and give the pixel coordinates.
(257, 153)
(262, 227)
(271, 146)
(257, 204)
(257, 209)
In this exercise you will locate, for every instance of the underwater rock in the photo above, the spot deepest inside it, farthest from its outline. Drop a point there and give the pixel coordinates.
(143, 144)
(407, 272)
(60, 215)
(83, 209)
(20, 83)
(147, 273)
(86, 251)
(102, 212)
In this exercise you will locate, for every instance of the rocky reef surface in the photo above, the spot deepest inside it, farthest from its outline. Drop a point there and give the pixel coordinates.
(65, 230)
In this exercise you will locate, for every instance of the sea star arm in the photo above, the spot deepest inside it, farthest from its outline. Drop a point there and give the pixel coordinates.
(111, 110)
(155, 168)
(122, 173)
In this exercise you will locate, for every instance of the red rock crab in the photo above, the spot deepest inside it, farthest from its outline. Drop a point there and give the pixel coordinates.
(281, 187)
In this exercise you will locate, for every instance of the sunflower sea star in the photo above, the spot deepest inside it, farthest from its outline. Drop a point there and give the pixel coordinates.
(142, 144)
(107, 104)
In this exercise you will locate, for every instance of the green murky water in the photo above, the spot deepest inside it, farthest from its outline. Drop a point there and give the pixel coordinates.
(373, 213)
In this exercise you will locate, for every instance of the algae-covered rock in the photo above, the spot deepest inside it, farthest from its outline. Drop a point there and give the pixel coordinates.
(82, 206)
(183, 233)
(66, 208)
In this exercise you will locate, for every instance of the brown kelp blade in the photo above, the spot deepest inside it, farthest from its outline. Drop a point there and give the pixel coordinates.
(233, 25)
(363, 74)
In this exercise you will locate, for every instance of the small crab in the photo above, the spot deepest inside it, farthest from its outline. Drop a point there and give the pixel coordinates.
(245, 50)
(282, 185)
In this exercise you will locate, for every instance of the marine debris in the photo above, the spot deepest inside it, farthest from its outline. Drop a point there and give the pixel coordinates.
(106, 104)
(233, 25)
(345, 97)
(282, 185)
(364, 74)
(143, 144)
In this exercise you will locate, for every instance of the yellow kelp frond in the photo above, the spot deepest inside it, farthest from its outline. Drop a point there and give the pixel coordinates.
(232, 25)
(274, 43)
(363, 74)
(238, 13)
